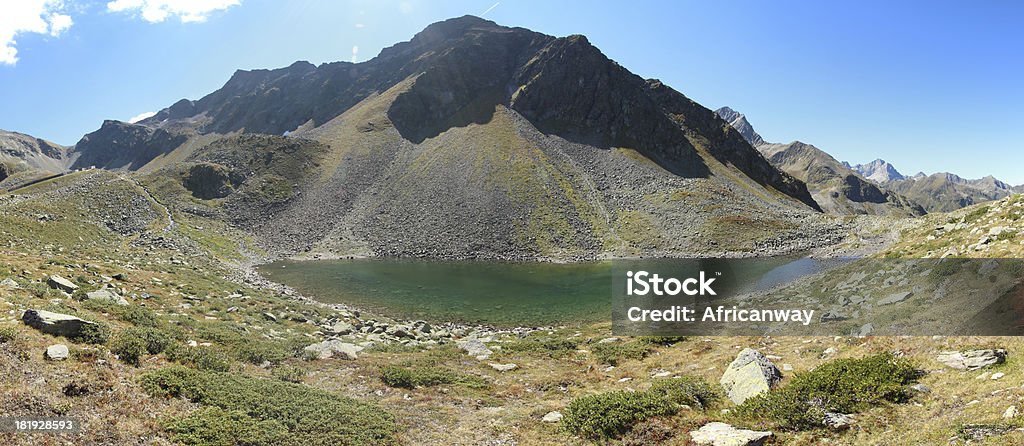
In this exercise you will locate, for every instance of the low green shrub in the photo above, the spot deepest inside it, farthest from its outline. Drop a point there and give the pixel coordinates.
(243, 410)
(213, 426)
(426, 376)
(8, 333)
(551, 346)
(686, 390)
(132, 343)
(613, 352)
(258, 352)
(289, 373)
(843, 386)
(132, 314)
(97, 333)
(202, 358)
(664, 341)
(609, 415)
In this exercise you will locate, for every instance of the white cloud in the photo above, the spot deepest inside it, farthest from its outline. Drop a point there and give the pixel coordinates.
(355, 53)
(141, 116)
(29, 16)
(155, 11)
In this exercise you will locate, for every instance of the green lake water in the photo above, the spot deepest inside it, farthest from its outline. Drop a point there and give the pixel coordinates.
(500, 293)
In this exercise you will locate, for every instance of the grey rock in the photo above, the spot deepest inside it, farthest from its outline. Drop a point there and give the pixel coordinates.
(57, 352)
(270, 317)
(333, 347)
(9, 283)
(475, 348)
(972, 359)
(56, 324)
(552, 417)
(830, 316)
(721, 434)
(106, 295)
(504, 367)
(895, 298)
(341, 328)
(837, 421)
(60, 283)
(749, 375)
(920, 388)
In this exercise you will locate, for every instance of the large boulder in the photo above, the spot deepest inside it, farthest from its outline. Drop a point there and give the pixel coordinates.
(749, 375)
(475, 348)
(60, 283)
(55, 324)
(972, 359)
(721, 434)
(106, 295)
(333, 347)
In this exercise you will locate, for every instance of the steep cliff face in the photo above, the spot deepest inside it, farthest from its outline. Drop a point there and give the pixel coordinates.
(123, 146)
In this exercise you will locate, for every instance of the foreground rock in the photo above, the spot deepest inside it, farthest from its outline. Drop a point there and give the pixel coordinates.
(55, 324)
(57, 352)
(60, 283)
(721, 434)
(475, 348)
(972, 359)
(334, 347)
(504, 367)
(749, 375)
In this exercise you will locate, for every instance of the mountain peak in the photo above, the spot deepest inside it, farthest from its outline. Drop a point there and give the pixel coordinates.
(879, 171)
(739, 122)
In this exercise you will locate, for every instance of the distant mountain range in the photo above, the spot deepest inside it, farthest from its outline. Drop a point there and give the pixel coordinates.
(840, 187)
(833, 184)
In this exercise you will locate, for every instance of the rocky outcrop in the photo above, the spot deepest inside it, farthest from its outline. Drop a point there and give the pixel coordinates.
(56, 324)
(209, 180)
(122, 146)
(721, 434)
(972, 359)
(739, 122)
(749, 375)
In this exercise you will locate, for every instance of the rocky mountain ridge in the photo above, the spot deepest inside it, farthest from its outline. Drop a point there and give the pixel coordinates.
(471, 140)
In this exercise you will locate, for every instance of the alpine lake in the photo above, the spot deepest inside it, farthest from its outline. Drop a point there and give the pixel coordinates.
(506, 294)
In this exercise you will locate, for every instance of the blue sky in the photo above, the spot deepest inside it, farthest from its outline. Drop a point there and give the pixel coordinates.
(928, 85)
